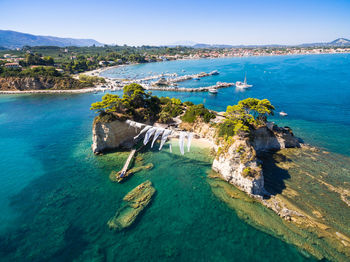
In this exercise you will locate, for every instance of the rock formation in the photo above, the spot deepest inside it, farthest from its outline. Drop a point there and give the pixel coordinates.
(38, 83)
(134, 202)
(111, 135)
(237, 159)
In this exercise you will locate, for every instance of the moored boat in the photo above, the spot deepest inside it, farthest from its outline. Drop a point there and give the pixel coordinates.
(282, 113)
(213, 90)
(243, 85)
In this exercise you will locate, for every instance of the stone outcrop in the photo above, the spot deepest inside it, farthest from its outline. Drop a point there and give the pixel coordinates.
(38, 83)
(134, 203)
(237, 159)
(272, 138)
(238, 164)
(111, 135)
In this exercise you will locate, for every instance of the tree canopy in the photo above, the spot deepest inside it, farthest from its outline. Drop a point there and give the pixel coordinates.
(135, 104)
(247, 114)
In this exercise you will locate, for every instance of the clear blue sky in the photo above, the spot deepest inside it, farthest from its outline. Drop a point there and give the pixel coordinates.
(157, 22)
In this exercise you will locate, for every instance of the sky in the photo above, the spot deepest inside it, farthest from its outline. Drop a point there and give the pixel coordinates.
(159, 22)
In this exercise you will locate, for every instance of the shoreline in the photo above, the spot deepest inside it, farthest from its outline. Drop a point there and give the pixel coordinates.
(196, 142)
(57, 91)
(100, 70)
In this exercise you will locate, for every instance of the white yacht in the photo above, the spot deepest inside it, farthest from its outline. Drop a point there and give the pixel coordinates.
(213, 90)
(282, 113)
(243, 85)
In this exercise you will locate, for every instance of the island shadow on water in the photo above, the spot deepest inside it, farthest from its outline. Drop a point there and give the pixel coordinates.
(308, 188)
(274, 176)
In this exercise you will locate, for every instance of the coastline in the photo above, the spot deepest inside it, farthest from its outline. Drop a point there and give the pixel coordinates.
(58, 91)
(100, 70)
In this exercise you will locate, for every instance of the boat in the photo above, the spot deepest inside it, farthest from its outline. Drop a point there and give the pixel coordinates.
(196, 78)
(213, 90)
(215, 72)
(161, 82)
(243, 85)
(282, 113)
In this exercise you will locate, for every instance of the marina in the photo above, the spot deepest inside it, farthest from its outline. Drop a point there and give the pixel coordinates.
(165, 84)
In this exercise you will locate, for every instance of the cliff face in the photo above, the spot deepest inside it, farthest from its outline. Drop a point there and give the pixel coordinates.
(111, 135)
(272, 137)
(237, 160)
(239, 166)
(38, 83)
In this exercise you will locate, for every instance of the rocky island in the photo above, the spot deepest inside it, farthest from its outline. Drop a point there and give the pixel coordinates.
(239, 138)
(236, 135)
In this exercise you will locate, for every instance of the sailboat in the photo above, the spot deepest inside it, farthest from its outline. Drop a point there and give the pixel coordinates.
(243, 85)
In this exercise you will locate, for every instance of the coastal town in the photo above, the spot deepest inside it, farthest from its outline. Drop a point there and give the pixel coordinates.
(15, 59)
(41, 69)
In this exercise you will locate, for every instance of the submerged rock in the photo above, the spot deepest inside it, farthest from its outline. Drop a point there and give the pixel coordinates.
(301, 229)
(135, 201)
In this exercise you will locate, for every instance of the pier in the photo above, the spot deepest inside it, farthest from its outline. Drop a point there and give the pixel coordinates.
(174, 88)
(166, 84)
(184, 89)
(123, 172)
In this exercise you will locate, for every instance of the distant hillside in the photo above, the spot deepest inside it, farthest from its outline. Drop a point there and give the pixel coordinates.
(182, 43)
(337, 42)
(12, 39)
(341, 41)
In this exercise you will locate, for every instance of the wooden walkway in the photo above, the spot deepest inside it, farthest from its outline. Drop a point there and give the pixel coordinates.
(127, 163)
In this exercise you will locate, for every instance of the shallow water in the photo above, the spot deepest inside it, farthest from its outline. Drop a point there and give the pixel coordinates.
(56, 196)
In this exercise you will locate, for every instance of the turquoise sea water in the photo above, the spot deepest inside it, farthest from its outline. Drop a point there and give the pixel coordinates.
(56, 197)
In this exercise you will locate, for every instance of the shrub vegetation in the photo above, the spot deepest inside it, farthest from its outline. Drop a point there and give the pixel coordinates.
(195, 111)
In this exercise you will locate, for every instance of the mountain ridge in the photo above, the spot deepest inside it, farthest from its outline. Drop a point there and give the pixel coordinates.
(13, 39)
(337, 42)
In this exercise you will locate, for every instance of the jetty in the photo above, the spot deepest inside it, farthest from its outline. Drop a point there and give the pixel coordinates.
(173, 80)
(185, 89)
(163, 83)
(123, 173)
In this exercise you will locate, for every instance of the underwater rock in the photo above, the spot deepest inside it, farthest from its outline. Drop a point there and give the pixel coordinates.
(134, 202)
(300, 230)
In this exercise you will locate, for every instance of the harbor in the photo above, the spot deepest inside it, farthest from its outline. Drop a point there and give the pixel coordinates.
(163, 82)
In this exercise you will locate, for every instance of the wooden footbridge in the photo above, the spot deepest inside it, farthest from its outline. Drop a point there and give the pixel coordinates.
(122, 173)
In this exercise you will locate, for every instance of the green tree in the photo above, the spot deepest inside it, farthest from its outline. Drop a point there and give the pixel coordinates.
(109, 103)
(135, 104)
(247, 114)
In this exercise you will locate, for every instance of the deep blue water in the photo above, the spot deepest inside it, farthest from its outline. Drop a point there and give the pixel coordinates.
(56, 197)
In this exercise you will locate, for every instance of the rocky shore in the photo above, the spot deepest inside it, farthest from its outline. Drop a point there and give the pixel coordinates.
(35, 85)
(236, 160)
